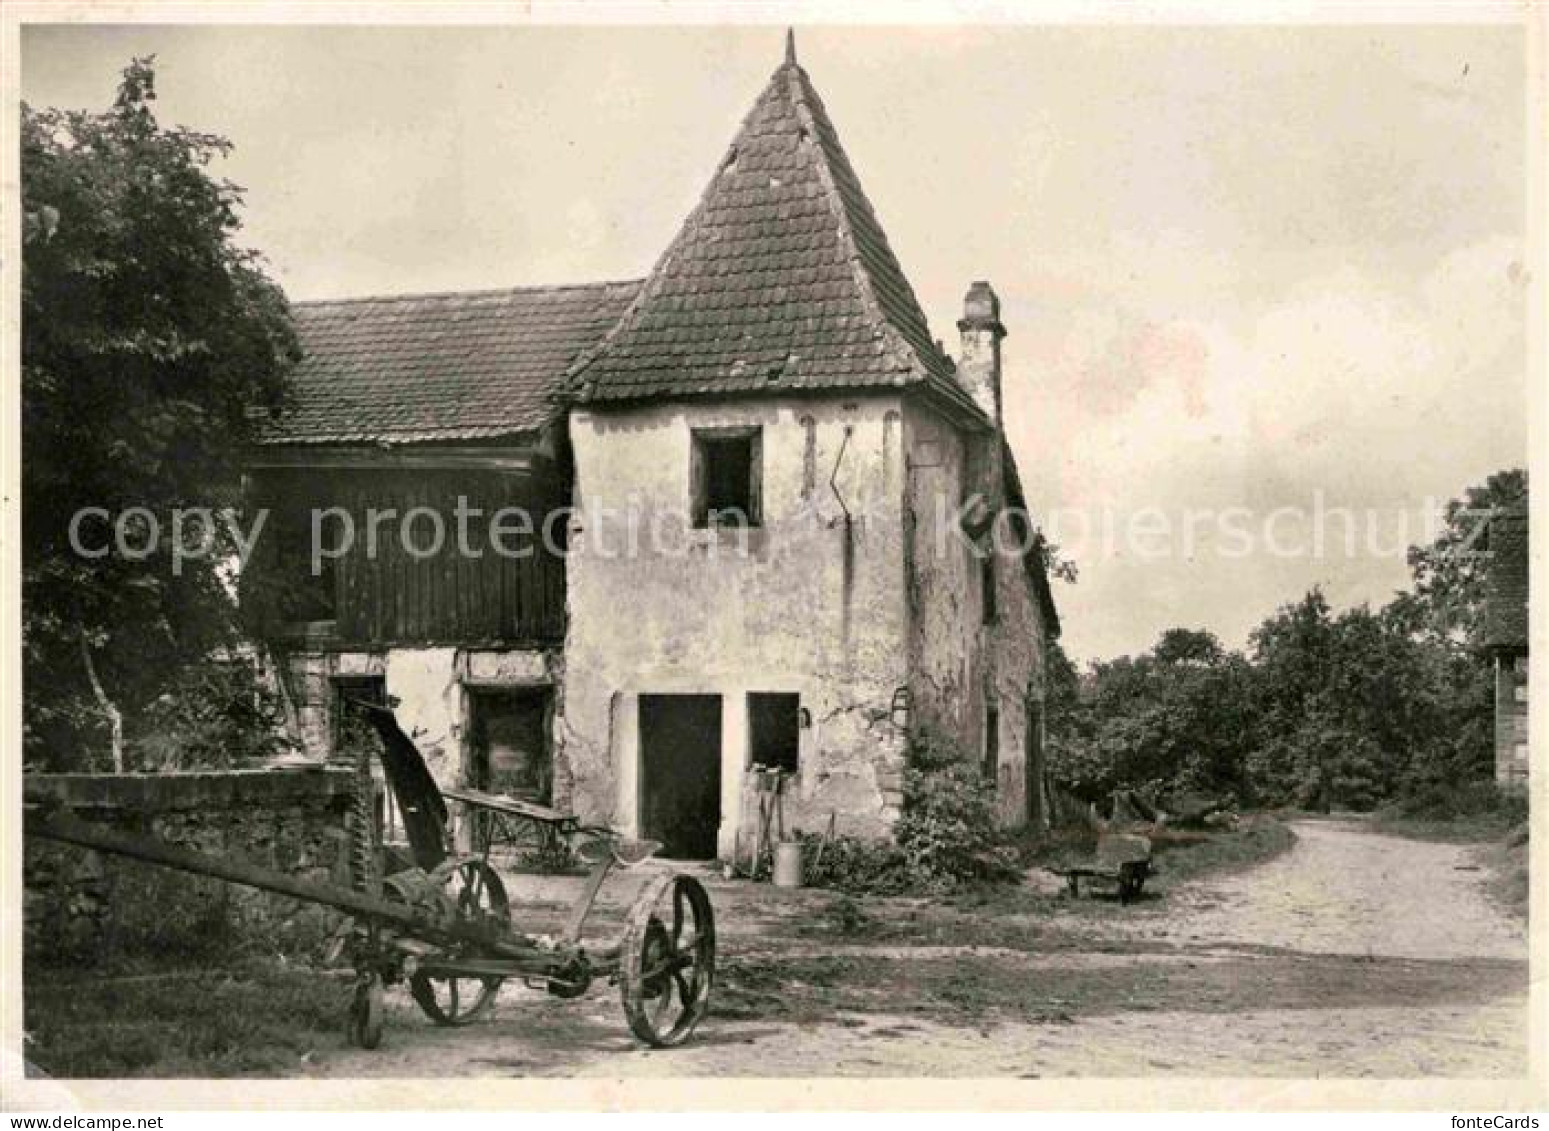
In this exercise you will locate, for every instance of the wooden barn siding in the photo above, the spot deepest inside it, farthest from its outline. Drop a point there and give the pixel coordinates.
(448, 598)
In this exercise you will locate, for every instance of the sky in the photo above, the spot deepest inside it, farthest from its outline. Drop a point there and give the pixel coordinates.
(1264, 286)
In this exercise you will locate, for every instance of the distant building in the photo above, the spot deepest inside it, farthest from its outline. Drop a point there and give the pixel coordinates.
(1508, 642)
(772, 381)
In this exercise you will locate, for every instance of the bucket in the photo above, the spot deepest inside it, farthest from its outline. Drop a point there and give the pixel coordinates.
(787, 864)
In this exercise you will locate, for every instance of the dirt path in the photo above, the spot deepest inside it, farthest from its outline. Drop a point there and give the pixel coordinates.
(1346, 890)
(1355, 954)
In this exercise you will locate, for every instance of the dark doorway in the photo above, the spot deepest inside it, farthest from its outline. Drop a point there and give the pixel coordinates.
(680, 773)
(508, 743)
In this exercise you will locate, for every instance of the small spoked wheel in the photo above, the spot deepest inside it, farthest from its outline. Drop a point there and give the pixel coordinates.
(364, 1027)
(667, 962)
(459, 999)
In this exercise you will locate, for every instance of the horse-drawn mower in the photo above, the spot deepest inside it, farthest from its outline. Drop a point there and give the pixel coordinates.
(442, 922)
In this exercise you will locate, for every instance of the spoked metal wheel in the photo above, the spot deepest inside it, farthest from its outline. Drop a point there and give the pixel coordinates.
(452, 999)
(667, 962)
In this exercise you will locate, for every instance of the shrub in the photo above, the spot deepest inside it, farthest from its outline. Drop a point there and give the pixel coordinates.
(1443, 801)
(948, 831)
(946, 836)
(216, 715)
(854, 864)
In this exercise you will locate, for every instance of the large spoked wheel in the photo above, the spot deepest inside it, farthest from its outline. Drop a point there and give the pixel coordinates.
(667, 963)
(451, 1000)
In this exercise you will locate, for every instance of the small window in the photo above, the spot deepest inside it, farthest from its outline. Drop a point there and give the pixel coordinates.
(987, 586)
(727, 474)
(774, 730)
(350, 725)
(991, 745)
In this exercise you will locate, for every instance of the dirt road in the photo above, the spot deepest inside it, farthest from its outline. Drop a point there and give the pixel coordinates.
(1354, 954)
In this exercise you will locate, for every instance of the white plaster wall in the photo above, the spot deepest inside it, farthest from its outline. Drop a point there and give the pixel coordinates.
(430, 706)
(800, 612)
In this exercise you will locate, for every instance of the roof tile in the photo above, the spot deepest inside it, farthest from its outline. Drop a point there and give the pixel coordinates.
(784, 255)
(457, 366)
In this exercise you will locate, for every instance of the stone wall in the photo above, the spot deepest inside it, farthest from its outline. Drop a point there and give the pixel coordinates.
(86, 906)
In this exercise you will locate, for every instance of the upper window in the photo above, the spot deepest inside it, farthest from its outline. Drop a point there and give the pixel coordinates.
(727, 476)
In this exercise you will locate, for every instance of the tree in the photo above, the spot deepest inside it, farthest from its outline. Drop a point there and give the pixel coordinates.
(148, 337)
(1188, 646)
(1347, 700)
(1176, 718)
(1447, 601)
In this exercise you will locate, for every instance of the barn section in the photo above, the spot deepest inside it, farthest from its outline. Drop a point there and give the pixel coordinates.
(417, 421)
(400, 582)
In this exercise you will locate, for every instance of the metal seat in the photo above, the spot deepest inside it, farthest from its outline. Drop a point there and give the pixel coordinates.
(631, 852)
(625, 851)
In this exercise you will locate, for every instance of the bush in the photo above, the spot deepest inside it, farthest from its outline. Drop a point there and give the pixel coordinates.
(946, 836)
(216, 715)
(948, 832)
(1442, 801)
(854, 864)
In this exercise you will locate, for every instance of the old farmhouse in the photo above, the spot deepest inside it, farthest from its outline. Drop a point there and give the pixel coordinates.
(754, 464)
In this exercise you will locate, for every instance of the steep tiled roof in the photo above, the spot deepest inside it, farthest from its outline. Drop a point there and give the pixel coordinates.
(781, 278)
(1508, 604)
(471, 365)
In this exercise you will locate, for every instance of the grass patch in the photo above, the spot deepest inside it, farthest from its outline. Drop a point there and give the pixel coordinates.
(1475, 828)
(256, 1019)
(1506, 863)
(1183, 854)
(1477, 811)
(1016, 916)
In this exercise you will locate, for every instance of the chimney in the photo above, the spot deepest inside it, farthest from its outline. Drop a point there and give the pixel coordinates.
(978, 369)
